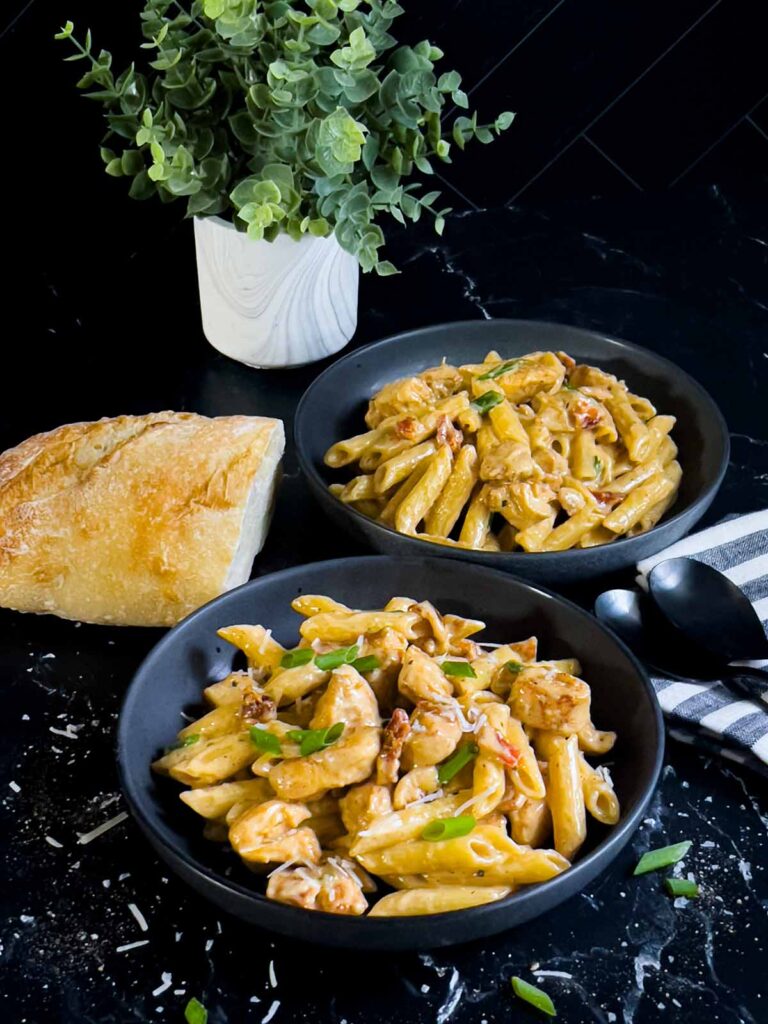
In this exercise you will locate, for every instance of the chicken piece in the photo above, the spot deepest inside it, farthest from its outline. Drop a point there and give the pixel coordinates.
(535, 373)
(435, 734)
(331, 886)
(363, 804)
(544, 697)
(347, 761)
(268, 833)
(587, 413)
(395, 735)
(444, 634)
(443, 380)
(421, 678)
(389, 647)
(446, 433)
(522, 503)
(348, 698)
(406, 395)
(418, 783)
(507, 460)
(258, 707)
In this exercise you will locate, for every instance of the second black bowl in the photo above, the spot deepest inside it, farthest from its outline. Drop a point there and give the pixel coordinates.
(334, 405)
(191, 656)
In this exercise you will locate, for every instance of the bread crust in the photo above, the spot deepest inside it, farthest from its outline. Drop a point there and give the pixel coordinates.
(133, 520)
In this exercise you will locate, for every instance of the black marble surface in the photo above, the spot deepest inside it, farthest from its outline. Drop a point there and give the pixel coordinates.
(684, 274)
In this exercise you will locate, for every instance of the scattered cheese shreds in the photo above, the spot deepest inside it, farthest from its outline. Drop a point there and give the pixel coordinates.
(15, 786)
(87, 837)
(271, 1012)
(54, 843)
(166, 979)
(272, 976)
(141, 920)
(473, 800)
(132, 945)
(67, 733)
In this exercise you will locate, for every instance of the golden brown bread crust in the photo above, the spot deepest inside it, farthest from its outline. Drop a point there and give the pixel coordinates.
(133, 520)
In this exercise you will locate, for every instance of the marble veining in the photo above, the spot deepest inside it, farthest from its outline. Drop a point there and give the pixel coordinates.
(679, 274)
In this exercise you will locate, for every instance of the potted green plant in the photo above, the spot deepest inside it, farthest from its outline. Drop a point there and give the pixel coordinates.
(291, 128)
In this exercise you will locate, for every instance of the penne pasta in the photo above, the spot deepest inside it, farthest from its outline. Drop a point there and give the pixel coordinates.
(391, 741)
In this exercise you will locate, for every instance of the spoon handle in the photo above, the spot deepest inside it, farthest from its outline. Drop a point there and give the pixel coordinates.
(750, 682)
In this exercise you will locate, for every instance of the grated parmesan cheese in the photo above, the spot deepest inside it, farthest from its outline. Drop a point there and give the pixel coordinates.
(87, 837)
(474, 800)
(272, 975)
(132, 945)
(54, 843)
(553, 974)
(427, 799)
(271, 1012)
(165, 983)
(140, 919)
(15, 786)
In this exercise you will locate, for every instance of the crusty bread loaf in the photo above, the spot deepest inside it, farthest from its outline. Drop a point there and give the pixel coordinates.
(135, 520)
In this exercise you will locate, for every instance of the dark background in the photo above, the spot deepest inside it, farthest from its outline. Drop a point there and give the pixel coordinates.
(613, 98)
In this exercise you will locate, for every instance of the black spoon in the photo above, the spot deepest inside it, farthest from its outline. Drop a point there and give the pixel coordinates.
(642, 628)
(707, 608)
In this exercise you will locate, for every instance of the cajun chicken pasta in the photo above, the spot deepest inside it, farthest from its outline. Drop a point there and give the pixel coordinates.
(389, 746)
(536, 453)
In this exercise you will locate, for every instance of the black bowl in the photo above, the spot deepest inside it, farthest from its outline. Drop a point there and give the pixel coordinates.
(334, 405)
(192, 656)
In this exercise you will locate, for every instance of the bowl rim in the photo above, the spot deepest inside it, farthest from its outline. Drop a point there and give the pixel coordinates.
(614, 840)
(491, 558)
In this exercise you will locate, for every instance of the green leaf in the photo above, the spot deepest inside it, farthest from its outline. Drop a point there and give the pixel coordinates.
(503, 121)
(339, 142)
(536, 997)
(663, 857)
(312, 740)
(448, 828)
(265, 741)
(460, 98)
(115, 168)
(195, 1012)
(66, 31)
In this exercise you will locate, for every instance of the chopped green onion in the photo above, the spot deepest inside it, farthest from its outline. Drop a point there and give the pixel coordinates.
(299, 656)
(535, 996)
(195, 1012)
(312, 740)
(367, 664)
(499, 371)
(514, 667)
(333, 659)
(598, 464)
(682, 887)
(186, 742)
(459, 668)
(664, 857)
(487, 401)
(265, 741)
(448, 828)
(454, 764)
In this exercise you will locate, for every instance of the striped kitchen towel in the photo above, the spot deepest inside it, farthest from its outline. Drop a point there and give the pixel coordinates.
(708, 712)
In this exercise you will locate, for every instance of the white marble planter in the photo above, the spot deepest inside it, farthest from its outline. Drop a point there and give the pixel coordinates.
(271, 304)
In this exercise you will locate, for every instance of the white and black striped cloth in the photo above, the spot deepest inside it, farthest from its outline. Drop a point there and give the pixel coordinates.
(707, 713)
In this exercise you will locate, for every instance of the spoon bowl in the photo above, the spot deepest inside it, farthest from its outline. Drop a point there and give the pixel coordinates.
(632, 616)
(708, 609)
